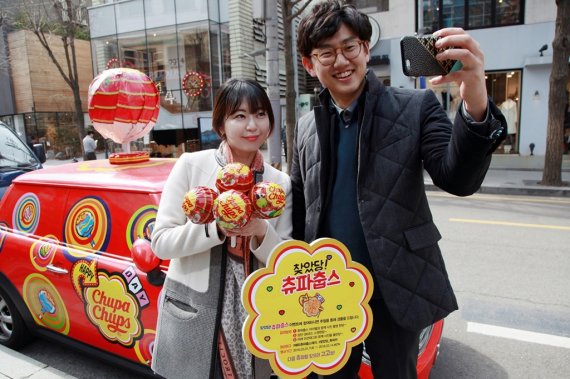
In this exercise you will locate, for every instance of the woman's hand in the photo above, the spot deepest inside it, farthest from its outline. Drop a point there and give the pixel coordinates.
(255, 228)
(471, 77)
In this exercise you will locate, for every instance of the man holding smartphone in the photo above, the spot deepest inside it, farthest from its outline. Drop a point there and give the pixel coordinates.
(357, 173)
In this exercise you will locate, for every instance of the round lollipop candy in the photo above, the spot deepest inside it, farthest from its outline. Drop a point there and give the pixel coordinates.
(234, 176)
(232, 209)
(267, 199)
(198, 204)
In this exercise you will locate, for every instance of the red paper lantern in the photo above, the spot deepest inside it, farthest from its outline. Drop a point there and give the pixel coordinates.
(123, 104)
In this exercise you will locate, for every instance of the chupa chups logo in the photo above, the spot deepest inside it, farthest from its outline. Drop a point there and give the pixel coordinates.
(113, 309)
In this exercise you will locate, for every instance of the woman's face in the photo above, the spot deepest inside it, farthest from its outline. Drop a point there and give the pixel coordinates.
(245, 132)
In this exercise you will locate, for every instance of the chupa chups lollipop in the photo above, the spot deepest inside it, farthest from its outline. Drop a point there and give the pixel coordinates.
(232, 209)
(268, 199)
(234, 176)
(198, 204)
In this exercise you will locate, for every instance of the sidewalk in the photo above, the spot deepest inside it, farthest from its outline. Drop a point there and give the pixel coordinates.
(15, 365)
(516, 175)
(508, 175)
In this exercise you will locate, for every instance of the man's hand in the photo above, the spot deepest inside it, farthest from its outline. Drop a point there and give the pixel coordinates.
(471, 77)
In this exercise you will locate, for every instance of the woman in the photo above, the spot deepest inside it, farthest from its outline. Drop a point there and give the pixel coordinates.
(201, 315)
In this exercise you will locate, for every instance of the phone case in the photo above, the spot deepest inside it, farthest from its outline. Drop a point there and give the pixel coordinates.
(418, 57)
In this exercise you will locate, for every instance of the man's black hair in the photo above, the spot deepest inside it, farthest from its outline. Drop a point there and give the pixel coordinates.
(325, 20)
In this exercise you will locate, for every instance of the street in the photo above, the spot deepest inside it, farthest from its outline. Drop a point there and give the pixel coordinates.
(508, 261)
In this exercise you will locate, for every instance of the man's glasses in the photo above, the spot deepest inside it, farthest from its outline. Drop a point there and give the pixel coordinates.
(349, 50)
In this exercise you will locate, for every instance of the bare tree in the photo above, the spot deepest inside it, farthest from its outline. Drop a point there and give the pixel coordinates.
(557, 98)
(291, 9)
(3, 61)
(51, 19)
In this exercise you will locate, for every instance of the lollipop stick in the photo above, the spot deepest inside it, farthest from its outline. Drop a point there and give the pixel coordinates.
(233, 241)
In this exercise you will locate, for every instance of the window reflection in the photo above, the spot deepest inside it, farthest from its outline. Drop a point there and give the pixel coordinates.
(453, 13)
(105, 53)
(508, 12)
(194, 65)
(479, 13)
(133, 52)
(430, 16)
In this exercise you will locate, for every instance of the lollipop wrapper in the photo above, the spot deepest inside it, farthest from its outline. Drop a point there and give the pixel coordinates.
(234, 176)
(198, 205)
(232, 209)
(267, 199)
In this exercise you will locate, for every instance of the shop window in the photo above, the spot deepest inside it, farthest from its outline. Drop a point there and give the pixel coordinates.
(468, 14)
(480, 13)
(453, 13)
(105, 52)
(57, 131)
(508, 12)
(194, 63)
(163, 67)
(133, 52)
(504, 89)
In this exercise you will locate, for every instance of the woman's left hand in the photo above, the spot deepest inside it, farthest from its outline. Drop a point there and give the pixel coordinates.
(255, 227)
(471, 77)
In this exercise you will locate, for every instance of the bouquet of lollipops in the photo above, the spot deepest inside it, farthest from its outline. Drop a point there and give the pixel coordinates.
(238, 199)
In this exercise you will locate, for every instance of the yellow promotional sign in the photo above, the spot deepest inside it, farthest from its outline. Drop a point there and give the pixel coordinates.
(307, 308)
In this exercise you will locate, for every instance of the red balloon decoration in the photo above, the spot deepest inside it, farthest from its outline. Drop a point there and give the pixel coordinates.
(143, 256)
(123, 104)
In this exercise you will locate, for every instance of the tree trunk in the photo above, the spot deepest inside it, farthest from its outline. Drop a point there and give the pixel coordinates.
(289, 15)
(290, 94)
(79, 115)
(557, 97)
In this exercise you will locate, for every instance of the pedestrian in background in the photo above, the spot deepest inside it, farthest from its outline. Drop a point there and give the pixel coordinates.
(201, 315)
(89, 147)
(357, 174)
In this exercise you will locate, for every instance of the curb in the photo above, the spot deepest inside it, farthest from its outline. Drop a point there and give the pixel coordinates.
(521, 191)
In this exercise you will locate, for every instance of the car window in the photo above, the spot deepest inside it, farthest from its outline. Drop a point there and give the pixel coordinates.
(13, 152)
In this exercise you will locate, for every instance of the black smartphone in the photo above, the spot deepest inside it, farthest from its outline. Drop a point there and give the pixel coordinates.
(418, 57)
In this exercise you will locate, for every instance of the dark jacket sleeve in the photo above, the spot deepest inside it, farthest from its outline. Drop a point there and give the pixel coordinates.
(459, 165)
(297, 189)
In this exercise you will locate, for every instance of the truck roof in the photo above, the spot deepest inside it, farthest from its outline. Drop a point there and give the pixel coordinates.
(148, 176)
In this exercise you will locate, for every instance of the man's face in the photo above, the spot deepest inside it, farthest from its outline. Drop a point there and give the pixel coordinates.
(344, 78)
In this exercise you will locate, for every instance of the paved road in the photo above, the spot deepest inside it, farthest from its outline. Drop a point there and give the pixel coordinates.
(507, 257)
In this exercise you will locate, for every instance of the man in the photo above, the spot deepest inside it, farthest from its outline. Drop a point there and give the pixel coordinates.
(357, 174)
(89, 147)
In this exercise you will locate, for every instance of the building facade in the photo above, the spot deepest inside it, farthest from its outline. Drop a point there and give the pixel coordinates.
(510, 33)
(190, 47)
(35, 100)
